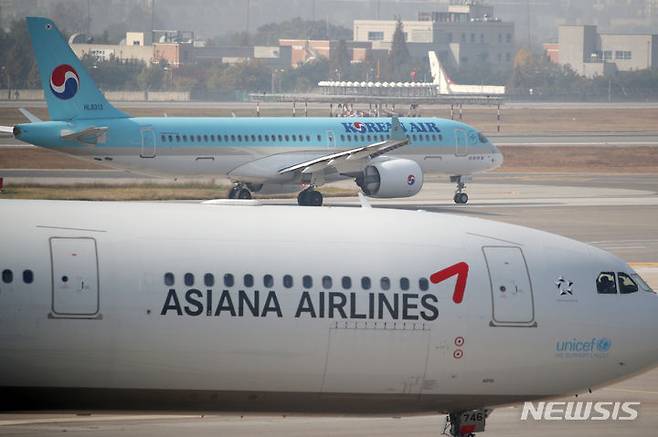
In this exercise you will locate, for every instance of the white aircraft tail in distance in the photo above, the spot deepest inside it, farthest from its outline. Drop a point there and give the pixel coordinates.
(447, 86)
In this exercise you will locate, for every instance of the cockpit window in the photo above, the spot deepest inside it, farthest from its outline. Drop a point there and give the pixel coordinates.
(626, 284)
(606, 284)
(643, 285)
(482, 138)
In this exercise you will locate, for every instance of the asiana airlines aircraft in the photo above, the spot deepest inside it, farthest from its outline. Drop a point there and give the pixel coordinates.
(386, 157)
(160, 305)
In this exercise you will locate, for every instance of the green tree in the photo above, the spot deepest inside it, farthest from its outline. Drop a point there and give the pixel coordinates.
(150, 78)
(340, 61)
(398, 57)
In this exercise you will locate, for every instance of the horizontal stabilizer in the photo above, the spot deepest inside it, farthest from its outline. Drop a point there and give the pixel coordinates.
(31, 117)
(88, 133)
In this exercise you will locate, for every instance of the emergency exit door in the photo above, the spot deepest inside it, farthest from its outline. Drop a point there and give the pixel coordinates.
(511, 288)
(460, 142)
(74, 276)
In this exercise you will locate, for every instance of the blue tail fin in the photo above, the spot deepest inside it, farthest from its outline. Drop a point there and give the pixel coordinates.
(69, 89)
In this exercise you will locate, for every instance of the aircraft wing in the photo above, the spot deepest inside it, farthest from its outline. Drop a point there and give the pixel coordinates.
(84, 135)
(345, 158)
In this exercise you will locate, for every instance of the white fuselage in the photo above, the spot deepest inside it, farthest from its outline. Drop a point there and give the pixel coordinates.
(149, 303)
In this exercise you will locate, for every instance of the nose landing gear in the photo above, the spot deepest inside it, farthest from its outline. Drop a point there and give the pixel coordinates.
(460, 196)
(309, 197)
(466, 423)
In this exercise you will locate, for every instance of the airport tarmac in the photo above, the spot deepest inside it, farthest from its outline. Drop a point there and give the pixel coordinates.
(617, 212)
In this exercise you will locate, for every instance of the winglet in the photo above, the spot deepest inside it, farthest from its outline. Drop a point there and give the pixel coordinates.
(31, 117)
(363, 200)
(397, 133)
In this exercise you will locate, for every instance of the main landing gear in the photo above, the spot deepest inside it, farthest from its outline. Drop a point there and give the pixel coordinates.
(460, 196)
(309, 197)
(239, 192)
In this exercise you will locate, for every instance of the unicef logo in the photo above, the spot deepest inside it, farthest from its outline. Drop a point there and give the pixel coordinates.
(411, 179)
(603, 345)
(64, 81)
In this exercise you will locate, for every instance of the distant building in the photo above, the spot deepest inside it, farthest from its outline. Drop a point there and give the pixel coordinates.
(305, 50)
(590, 53)
(468, 34)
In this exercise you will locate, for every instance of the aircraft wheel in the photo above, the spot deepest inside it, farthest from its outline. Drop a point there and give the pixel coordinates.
(302, 198)
(233, 192)
(315, 198)
(460, 198)
(244, 194)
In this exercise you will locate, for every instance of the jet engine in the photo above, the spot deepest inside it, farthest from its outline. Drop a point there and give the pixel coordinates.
(391, 178)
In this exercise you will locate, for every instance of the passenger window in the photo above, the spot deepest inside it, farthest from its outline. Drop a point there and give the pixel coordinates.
(280, 137)
(307, 281)
(248, 280)
(626, 284)
(308, 138)
(369, 138)
(349, 138)
(209, 279)
(205, 138)
(163, 138)
(365, 283)
(169, 279)
(240, 138)
(326, 282)
(342, 137)
(191, 138)
(189, 279)
(185, 138)
(346, 282)
(319, 137)
(294, 137)
(198, 138)
(413, 137)
(178, 138)
(287, 281)
(7, 276)
(605, 283)
(433, 137)
(28, 276)
(212, 138)
(232, 137)
(287, 138)
(219, 137)
(404, 284)
(423, 284)
(268, 281)
(253, 138)
(228, 280)
(385, 283)
(225, 137)
(260, 138)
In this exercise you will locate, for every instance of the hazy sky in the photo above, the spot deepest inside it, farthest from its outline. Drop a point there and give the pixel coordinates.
(208, 18)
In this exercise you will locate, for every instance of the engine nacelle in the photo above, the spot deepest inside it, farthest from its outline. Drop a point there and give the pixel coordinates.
(391, 178)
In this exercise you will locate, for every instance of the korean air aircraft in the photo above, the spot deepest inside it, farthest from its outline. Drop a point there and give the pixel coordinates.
(159, 305)
(385, 157)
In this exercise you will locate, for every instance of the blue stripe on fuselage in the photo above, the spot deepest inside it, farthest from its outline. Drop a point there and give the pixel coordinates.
(287, 132)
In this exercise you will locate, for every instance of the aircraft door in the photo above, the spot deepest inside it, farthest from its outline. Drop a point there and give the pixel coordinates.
(148, 143)
(511, 288)
(460, 142)
(331, 140)
(74, 277)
